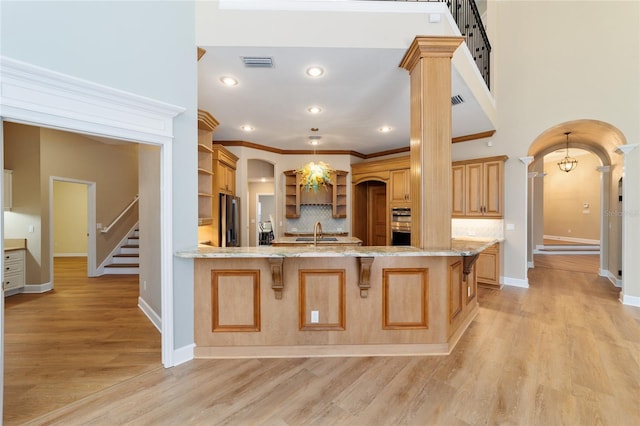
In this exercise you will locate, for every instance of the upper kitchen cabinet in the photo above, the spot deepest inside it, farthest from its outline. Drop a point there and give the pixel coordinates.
(334, 195)
(206, 125)
(224, 170)
(478, 187)
(400, 188)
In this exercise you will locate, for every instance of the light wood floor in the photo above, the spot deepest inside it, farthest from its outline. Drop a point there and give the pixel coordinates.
(565, 351)
(85, 336)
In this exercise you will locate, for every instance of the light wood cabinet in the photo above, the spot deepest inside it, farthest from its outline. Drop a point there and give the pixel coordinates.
(478, 188)
(224, 170)
(335, 195)
(488, 267)
(458, 192)
(206, 126)
(14, 269)
(400, 187)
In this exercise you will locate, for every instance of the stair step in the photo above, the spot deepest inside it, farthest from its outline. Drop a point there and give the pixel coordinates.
(122, 265)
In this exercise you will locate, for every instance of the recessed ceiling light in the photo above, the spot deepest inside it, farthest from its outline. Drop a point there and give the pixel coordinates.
(247, 128)
(385, 129)
(315, 71)
(228, 81)
(314, 110)
(263, 179)
(315, 142)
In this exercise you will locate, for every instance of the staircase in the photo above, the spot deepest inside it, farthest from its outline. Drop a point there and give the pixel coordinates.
(127, 259)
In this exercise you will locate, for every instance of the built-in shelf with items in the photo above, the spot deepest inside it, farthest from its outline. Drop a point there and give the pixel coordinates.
(206, 195)
(334, 195)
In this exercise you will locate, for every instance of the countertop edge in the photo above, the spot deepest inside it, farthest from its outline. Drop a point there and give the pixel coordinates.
(460, 247)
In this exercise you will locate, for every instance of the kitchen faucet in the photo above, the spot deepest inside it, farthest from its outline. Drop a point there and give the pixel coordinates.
(317, 229)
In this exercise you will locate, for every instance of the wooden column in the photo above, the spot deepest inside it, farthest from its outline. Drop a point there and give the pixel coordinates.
(428, 61)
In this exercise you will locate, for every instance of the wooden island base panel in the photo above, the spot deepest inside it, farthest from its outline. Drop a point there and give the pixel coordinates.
(264, 302)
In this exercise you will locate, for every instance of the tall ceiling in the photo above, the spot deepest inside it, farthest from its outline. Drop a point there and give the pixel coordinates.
(362, 89)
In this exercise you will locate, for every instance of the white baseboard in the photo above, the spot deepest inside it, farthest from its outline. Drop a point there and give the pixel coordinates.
(183, 354)
(37, 288)
(629, 300)
(515, 282)
(571, 239)
(614, 279)
(70, 255)
(155, 319)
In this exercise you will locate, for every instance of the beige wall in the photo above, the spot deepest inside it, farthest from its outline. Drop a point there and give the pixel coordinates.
(69, 219)
(36, 155)
(22, 155)
(566, 194)
(552, 64)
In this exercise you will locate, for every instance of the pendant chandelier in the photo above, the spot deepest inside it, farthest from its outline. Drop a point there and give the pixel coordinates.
(567, 163)
(315, 175)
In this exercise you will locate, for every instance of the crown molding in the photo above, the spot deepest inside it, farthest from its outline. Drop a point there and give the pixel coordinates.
(31, 94)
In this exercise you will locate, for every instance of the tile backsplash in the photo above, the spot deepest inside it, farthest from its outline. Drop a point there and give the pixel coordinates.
(489, 228)
(310, 214)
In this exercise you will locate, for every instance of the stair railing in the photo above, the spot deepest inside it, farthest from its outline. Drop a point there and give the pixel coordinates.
(467, 17)
(131, 204)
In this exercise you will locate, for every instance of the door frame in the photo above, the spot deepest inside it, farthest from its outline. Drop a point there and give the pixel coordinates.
(91, 224)
(42, 97)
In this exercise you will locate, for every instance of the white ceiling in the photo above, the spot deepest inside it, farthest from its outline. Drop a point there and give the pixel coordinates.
(363, 88)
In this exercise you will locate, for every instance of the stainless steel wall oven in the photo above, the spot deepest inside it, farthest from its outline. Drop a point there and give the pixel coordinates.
(401, 226)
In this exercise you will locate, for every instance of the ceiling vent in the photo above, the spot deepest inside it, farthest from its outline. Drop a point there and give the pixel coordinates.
(457, 99)
(258, 61)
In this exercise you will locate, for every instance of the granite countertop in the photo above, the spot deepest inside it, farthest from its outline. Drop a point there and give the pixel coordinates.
(459, 247)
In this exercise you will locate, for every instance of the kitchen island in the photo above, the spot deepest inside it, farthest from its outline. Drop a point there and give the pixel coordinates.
(332, 300)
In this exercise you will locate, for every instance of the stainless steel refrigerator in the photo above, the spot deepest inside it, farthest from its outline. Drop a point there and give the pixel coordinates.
(229, 221)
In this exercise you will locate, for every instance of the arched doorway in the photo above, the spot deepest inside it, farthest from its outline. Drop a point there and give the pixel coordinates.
(261, 201)
(600, 139)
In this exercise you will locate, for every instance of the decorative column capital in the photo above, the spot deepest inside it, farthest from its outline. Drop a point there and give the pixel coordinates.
(626, 149)
(429, 47)
(527, 160)
(603, 169)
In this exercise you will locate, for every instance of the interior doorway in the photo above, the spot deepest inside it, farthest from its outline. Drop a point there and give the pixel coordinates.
(603, 142)
(265, 214)
(262, 202)
(73, 216)
(370, 217)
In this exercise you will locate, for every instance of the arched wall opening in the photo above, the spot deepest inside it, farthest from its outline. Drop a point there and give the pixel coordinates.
(602, 140)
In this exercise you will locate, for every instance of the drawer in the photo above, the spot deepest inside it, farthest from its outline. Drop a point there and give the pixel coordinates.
(17, 255)
(13, 280)
(10, 267)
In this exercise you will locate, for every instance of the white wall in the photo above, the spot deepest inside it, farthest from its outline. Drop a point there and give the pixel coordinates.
(147, 48)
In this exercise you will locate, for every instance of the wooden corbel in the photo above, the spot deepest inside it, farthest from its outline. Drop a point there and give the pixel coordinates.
(277, 284)
(365, 275)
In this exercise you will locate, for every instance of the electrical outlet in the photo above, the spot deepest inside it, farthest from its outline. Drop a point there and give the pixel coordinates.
(315, 317)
